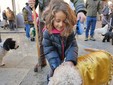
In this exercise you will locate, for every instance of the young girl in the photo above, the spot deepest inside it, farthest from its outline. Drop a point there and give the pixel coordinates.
(59, 43)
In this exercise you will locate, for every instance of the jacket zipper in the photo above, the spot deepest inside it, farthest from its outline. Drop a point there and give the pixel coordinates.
(62, 41)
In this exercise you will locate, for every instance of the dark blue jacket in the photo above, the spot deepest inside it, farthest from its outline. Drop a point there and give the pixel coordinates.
(52, 44)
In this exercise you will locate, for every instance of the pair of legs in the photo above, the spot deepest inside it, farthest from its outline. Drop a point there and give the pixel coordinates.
(42, 57)
(91, 23)
(30, 31)
(27, 28)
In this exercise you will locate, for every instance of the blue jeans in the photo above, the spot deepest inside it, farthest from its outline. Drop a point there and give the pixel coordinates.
(27, 26)
(91, 23)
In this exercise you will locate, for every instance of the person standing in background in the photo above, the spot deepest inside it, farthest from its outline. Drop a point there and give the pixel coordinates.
(42, 5)
(105, 14)
(111, 16)
(92, 6)
(11, 18)
(27, 14)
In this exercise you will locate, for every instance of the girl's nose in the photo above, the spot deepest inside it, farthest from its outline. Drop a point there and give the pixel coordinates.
(61, 24)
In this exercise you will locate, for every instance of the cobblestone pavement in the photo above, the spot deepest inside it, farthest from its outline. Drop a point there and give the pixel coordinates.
(20, 63)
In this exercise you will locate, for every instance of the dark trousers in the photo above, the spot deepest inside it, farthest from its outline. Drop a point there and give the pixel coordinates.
(40, 34)
(11, 24)
(42, 57)
(42, 61)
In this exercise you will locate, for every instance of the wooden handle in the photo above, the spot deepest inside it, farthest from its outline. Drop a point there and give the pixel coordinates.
(37, 37)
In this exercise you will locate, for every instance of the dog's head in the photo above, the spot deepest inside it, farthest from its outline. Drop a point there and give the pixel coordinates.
(10, 44)
(66, 75)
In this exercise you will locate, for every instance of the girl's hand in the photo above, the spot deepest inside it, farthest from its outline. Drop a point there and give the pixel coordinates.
(31, 3)
(68, 63)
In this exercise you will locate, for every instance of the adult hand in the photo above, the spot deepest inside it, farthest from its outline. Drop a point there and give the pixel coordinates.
(31, 3)
(81, 16)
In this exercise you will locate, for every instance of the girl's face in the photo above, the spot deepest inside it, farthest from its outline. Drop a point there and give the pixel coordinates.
(59, 21)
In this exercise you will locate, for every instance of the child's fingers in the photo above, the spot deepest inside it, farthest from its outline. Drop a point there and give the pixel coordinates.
(67, 63)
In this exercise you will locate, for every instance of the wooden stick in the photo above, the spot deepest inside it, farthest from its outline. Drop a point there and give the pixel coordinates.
(91, 49)
(37, 40)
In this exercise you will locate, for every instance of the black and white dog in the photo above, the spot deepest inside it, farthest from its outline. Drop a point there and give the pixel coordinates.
(5, 46)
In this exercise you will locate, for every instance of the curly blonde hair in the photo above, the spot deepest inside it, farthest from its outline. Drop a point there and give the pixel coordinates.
(56, 6)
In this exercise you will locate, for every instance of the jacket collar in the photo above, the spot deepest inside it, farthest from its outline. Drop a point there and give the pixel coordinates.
(54, 31)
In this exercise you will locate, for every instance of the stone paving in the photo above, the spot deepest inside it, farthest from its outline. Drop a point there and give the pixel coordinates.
(20, 63)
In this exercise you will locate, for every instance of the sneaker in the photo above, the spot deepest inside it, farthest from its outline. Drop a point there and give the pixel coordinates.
(32, 39)
(48, 78)
(86, 39)
(93, 39)
(36, 68)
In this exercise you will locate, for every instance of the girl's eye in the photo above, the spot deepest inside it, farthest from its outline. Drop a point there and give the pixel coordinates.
(57, 20)
(64, 21)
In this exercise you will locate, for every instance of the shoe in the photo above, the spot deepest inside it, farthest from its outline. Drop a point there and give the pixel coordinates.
(43, 62)
(86, 39)
(92, 38)
(36, 68)
(32, 39)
